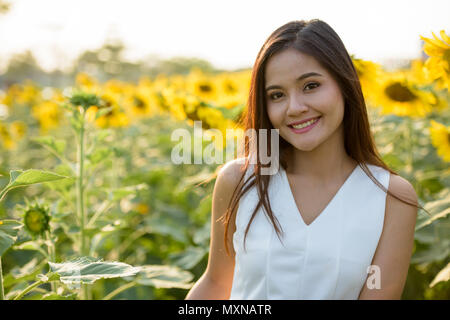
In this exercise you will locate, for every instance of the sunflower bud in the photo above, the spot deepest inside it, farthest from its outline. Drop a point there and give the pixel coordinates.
(36, 219)
(85, 100)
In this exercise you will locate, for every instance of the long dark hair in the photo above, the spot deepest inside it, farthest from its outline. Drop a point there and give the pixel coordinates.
(317, 39)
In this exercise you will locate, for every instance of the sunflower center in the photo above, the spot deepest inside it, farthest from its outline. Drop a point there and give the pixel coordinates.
(204, 87)
(230, 88)
(399, 92)
(110, 114)
(139, 103)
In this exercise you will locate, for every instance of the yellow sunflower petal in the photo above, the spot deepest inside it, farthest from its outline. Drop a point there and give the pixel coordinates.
(445, 37)
(437, 43)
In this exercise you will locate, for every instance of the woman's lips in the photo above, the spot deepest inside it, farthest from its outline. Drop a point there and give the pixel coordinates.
(302, 130)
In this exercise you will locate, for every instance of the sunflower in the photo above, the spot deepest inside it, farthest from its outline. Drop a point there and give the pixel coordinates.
(418, 72)
(213, 119)
(398, 94)
(191, 104)
(201, 86)
(159, 83)
(115, 117)
(440, 138)
(178, 82)
(10, 135)
(18, 129)
(114, 86)
(6, 138)
(174, 102)
(36, 218)
(438, 63)
(29, 94)
(141, 102)
(368, 73)
(232, 89)
(86, 82)
(49, 114)
(11, 95)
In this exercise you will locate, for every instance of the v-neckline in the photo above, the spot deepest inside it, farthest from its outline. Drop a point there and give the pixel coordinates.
(292, 198)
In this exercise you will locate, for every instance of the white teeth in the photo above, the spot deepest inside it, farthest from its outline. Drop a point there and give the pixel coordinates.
(305, 124)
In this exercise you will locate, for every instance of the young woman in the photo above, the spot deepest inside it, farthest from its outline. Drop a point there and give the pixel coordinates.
(334, 222)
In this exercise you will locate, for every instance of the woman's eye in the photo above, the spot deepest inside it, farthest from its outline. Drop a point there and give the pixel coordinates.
(275, 95)
(314, 84)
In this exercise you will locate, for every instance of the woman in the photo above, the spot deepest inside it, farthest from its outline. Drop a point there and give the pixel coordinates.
(333, 223)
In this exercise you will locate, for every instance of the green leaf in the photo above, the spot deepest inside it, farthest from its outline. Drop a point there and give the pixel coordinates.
(99, 154)
(19, 178)
(160, 276)
(188, 258)
(75, 121)
(201, 236)
(64, 169)
(54, 296)
(87, 270)
(102, 134)
(8, 233)
(437, 252)
(443, 275)
(25, 273)
(164, 226)
(57, 146)
(31, 245)
(119, 193)
(439, 209)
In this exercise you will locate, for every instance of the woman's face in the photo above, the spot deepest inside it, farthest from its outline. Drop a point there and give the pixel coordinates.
(292, 96)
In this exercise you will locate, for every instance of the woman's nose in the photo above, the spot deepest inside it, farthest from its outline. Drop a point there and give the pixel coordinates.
(296, 105)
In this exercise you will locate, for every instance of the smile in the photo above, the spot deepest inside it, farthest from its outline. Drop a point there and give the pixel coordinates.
(304, 127)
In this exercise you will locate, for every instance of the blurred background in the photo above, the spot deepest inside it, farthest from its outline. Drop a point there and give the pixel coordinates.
(50, 40)
(93, 90)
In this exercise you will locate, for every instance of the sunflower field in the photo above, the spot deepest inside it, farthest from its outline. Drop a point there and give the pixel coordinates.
(92, 207)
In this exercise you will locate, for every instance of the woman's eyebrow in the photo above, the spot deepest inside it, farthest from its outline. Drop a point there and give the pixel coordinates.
(303, 76)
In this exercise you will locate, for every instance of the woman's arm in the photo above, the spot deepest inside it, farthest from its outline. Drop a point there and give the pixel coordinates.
(393, 254)
(217, 280)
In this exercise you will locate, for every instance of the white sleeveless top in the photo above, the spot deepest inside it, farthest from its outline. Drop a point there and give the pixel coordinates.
(327, 259)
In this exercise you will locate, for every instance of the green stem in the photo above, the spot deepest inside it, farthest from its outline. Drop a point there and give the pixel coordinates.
(2, 292)
(80, 195)
(3, 193)
(119, 290)
(28, 289)
(52, 256)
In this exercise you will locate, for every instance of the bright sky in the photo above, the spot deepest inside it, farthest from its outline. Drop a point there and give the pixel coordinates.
(228, 33)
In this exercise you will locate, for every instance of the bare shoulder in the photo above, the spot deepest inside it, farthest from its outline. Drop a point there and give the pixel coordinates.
(230, 173)
(396, 209)
(402, 187)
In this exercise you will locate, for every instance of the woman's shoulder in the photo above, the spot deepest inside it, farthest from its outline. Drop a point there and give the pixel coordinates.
(402, 187)
(400, 216)
(231, 172)
(397, 183)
